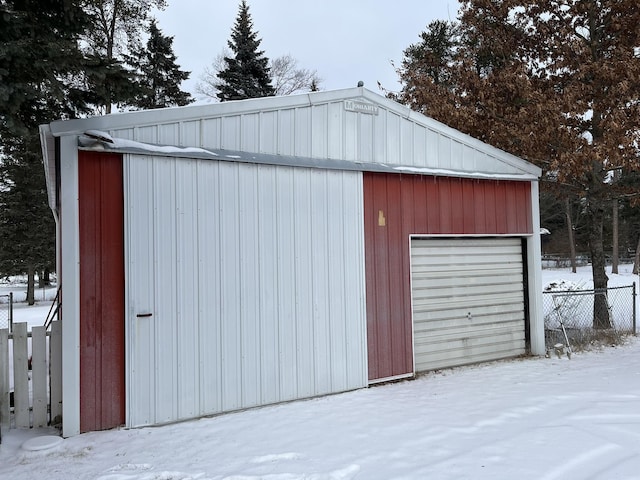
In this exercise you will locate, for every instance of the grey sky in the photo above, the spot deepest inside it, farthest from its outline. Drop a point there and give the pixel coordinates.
(344, 40)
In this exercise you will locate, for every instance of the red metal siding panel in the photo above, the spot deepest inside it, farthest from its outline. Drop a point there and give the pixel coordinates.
(479, 207)
(397, 206)
(102, 350)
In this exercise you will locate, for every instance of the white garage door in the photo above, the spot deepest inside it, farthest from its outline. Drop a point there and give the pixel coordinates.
(468, 300)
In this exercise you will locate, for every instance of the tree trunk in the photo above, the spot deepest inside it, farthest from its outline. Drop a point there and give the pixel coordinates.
(614, 239)
(572, 243)
(31, 273)
(595, 212)
(636, 259)
(40, 278)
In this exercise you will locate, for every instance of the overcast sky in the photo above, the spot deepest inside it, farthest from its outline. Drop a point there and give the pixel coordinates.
(343, 40)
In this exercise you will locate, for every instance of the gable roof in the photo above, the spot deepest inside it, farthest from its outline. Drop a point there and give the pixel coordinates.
(350, 126)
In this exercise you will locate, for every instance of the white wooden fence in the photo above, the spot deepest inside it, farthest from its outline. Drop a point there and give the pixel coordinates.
(36, 393)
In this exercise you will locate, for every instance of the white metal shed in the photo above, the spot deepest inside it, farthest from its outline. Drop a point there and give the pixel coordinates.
(224, 256)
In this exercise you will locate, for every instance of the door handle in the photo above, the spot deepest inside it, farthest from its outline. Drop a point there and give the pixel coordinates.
(143, 315)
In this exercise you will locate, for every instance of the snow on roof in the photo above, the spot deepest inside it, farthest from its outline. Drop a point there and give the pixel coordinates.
(103, 141)
(349, 129)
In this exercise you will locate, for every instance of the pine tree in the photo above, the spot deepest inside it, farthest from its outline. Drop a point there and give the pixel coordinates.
(27, 230)
(556, 83)
(39, 54)
(247, 73)
(160, 76)
(39, 62)
(114, 32)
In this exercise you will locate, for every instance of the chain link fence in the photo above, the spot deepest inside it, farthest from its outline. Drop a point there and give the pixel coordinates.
(574, 310)
(6, 311)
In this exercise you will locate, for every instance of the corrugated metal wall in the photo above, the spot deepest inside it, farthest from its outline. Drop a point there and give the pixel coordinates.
(327, 130)
(246, 285)
(102, 342)
(397, 206)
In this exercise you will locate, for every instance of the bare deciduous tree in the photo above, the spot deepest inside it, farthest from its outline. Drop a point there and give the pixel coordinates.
(287, 77)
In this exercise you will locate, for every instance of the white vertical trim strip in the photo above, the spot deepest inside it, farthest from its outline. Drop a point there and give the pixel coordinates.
(70, 276)
(534, 265)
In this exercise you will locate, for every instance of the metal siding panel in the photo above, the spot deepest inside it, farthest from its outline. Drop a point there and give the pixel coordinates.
(169, 134)
(140, 267)
(380, 137)
(209, 286)
(501, 206)
(286, 132)
(479, 208)
(248, 270)
(250, 128)
(393, 139)
(491, 205)
(188, 353)
(457, 214)
(147, 134)
(230, 132)
(406, 142)
(320, 125)
(287, 284)
(420, 145)
(164, 236)
(457, 160)
(354, 282)
(528, 212)
(335, 132)
(444, 152)
(125, 133)
(445, 205)
(432, 147)
(303, 132)
(469, 159)
(268, 285)
(190, 133)
(211, 133)
(372, 277)
(351, 137)
(432, 185)
(336, 287)
(230, 292)
(468, 205)
(397, 270)
(102, 344)
(379, 303)
(304, 284)
(366, 135)
(268, 132)
(320, 281)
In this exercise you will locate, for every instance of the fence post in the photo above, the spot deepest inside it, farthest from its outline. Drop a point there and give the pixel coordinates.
(39, 400)
(634, 308)
(55, 377)
(4, 380)
(11, 311)
(21, 377)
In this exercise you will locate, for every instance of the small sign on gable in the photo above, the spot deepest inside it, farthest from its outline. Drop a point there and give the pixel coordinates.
(360, 107)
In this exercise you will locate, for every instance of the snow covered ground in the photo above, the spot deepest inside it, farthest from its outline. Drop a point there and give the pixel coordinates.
(534, 418)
